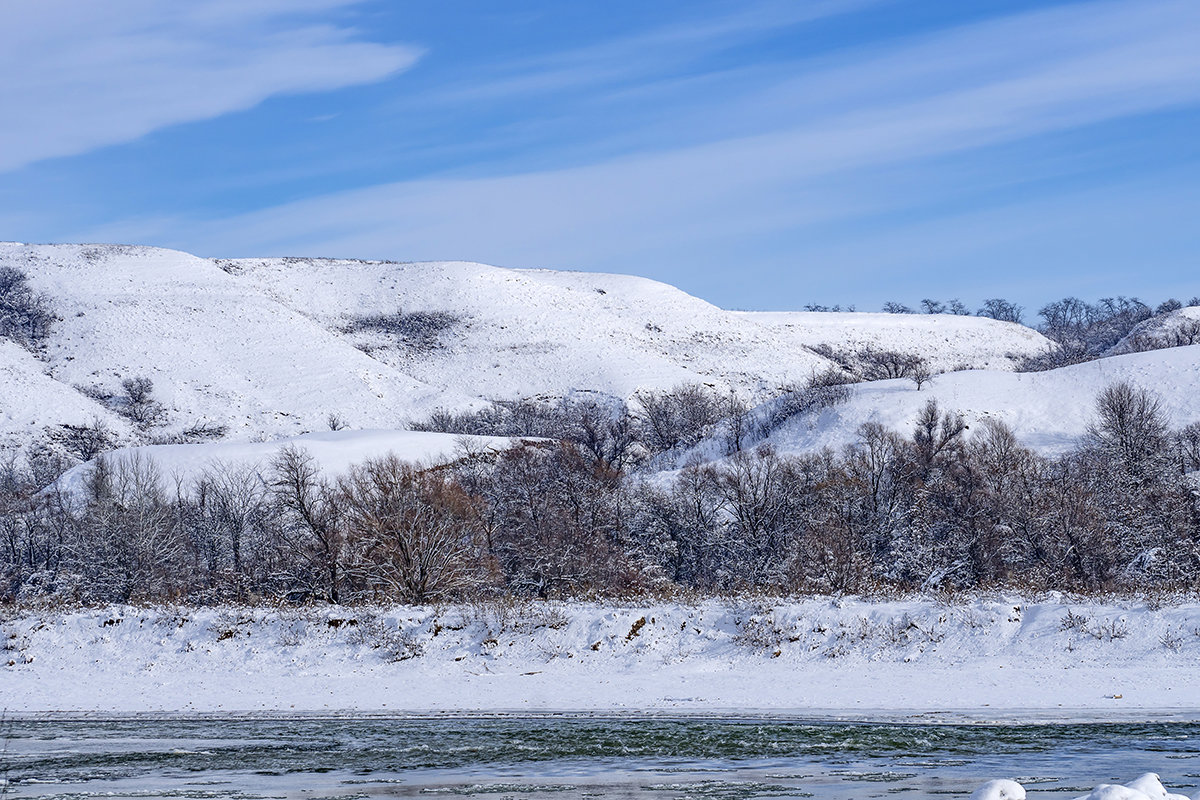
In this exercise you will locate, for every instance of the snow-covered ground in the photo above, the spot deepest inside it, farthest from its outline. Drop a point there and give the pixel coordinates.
(333, 453)
(946, 341)
(990, 658)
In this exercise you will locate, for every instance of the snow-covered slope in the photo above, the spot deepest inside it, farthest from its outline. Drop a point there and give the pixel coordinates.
(529, 332)
(333, 452)
(215, 351)
(1048, 410)
(268, 347)
(30, 400)
(946, 341)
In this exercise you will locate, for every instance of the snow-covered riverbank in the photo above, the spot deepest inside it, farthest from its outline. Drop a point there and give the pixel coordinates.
(996, 658)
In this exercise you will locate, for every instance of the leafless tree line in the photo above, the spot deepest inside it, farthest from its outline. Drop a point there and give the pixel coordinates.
(938, 507)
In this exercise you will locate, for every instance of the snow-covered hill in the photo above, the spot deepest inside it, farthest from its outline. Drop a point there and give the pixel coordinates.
(30, 400)
(216, 352)
(1048, 410)
(947, 342)
(270, 348)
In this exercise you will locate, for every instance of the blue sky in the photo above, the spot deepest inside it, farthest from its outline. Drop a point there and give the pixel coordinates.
(759, 154)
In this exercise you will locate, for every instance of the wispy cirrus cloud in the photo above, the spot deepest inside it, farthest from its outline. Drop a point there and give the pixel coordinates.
(79, 76)
(961, 89)
(641, 56)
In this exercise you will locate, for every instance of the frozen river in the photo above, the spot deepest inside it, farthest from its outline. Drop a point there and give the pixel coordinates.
(557, 757)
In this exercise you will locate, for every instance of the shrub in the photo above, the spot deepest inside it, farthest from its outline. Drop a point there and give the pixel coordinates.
(419, 331)
(138, 403)
(25, 316)
(84, 442)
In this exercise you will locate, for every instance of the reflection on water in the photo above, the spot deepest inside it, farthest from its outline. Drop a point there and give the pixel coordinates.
(579, 757)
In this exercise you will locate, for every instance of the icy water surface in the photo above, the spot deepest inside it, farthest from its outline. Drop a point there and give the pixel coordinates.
(564, 758)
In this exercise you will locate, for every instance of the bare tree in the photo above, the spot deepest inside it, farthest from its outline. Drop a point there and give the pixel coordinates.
(25, 315)
(139, 404)
(1130, 428)
(410, 531)
(85, 442)
(921, 373)
(1000, 309)
(312, 524)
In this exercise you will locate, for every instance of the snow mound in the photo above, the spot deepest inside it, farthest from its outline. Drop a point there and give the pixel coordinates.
(334, 452)
(1147, 787)
(1001, 789)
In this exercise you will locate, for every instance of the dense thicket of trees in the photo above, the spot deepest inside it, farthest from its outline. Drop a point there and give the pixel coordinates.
(936, 506)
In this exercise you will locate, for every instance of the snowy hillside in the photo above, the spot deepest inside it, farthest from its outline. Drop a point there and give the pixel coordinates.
(215, 352)
(527, 332)
(30, 400)
(270, 348)
(1047, 410)
(946, 341)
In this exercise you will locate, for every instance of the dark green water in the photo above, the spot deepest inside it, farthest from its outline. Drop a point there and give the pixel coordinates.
(579, 757)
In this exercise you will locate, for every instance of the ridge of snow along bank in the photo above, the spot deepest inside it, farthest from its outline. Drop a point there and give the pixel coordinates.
(855, 658)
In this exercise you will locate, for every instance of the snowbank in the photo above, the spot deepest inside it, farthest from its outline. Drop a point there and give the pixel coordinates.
(334, 453)
(992, 658)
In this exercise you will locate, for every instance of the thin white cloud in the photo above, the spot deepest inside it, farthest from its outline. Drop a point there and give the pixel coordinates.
(977, 86)
(75, 76)
(638, 56)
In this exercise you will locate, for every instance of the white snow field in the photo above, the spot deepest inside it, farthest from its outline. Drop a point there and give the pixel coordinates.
(998, 658)
(334, 453)
(1049, 410)
(30, 400)
(946, 341)
(216, 352)
(262, 346)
